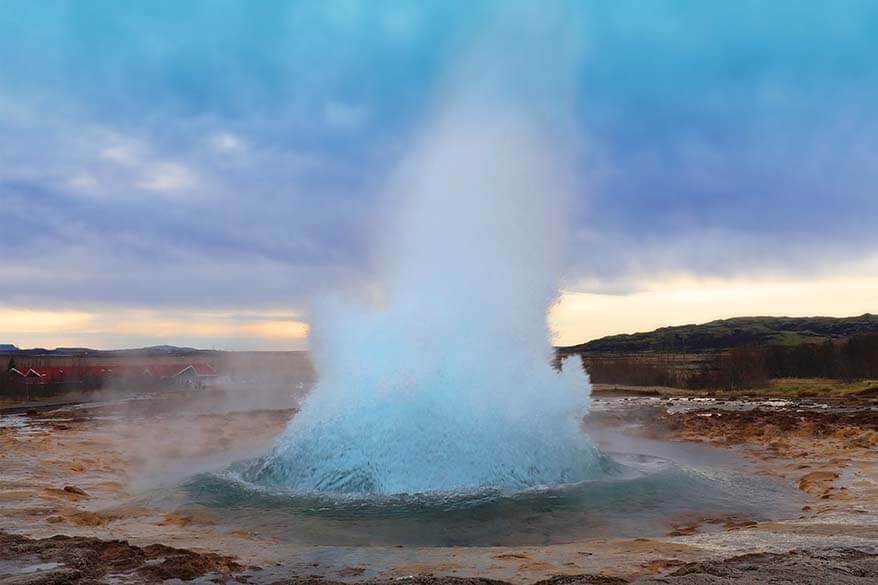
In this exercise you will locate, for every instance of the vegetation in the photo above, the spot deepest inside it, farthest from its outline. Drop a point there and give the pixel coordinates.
(819, 387)
(780, 388)
(740, 354)
(726, 334)
(745, 367)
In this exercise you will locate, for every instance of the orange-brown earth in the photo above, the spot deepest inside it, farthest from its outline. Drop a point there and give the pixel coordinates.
(814, 447)
(89, 473)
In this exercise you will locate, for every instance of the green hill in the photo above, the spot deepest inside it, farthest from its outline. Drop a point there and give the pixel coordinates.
(727, 333)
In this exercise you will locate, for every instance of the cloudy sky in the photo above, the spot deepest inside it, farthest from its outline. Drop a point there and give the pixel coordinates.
(197, 173)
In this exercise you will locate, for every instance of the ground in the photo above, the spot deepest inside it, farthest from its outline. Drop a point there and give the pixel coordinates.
(779, 387)
(87, 471)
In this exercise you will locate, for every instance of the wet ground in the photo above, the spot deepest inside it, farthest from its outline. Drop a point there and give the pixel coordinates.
(112, 471)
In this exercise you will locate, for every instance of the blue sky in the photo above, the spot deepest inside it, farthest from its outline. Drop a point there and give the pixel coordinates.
(212, 166)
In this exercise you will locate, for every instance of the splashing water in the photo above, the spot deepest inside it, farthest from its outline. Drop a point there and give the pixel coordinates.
(446, 385)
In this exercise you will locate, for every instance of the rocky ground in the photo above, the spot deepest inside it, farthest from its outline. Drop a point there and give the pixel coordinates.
(63, 560)
(74, 559)
(80, 472)
(827, 447)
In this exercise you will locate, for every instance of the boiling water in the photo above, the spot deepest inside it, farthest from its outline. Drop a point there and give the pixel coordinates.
(639, 496)
(436, 377)
(444, 382)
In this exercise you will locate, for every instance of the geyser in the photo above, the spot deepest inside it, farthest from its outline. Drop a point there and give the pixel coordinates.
(447, 384)
(444, 383)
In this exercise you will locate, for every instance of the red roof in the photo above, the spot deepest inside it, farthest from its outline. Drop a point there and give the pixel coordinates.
(204, 369)
(69, 373)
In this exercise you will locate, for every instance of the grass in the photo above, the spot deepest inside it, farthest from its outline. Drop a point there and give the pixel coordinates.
(724, 334)
(647, 390)
(781, 387)
(819, 387)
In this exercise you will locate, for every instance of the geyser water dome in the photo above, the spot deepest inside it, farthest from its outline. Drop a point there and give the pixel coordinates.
(447, 384)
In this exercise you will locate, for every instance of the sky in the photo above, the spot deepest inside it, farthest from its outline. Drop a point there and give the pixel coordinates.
(197, 173)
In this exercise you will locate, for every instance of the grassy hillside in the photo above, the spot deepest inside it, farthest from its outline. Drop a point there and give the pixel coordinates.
(729, 333)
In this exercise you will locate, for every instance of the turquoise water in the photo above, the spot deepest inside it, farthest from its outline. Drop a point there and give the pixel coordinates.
(637, 496)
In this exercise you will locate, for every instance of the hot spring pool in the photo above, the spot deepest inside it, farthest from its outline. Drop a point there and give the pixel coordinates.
(641, 495)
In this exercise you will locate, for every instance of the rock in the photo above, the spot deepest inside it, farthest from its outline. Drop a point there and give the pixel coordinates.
(87, 561)
(839, 567)
(582, 580)
(817, 483)
(60, 577)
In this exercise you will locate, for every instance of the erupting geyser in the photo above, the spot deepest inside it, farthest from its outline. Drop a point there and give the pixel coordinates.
(446, 385)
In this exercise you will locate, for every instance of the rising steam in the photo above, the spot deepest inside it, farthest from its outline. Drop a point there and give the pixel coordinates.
(447, 385)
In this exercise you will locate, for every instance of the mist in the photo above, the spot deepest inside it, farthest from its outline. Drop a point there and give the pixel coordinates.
(443, 382)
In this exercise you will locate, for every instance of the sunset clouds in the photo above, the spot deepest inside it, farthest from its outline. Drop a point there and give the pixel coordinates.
(225, 158)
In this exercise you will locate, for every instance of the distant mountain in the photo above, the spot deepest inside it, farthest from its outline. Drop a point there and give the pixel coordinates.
(88, 352)
(728, 333)
(160, 349)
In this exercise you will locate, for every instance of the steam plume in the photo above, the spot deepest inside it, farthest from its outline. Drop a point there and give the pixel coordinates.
(447, 385)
